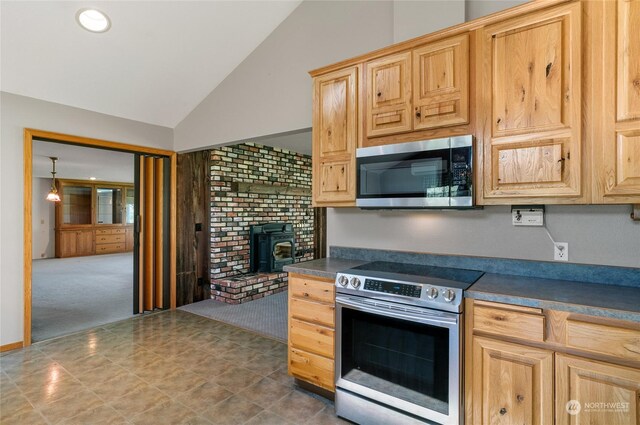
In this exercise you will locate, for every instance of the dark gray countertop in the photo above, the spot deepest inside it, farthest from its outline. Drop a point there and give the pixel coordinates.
(325, 267)
(618, 302)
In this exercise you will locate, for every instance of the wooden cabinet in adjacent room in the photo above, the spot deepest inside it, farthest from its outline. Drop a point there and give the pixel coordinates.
(512, 384)
(335, 137)
(531, 97)
(74, 243)
(615, 95)
(311, 330)
(599, 393)
(93, 218)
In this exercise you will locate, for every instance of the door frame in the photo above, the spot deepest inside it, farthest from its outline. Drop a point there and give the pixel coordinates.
(29, 135)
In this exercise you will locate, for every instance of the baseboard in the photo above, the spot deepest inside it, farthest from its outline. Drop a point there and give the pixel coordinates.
(12, 346)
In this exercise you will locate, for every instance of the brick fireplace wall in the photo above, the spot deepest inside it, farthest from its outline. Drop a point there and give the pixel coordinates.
(233, 210)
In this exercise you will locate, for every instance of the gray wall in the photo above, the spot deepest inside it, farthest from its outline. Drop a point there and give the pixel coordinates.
(478, 8)
(596, 234)
(413, 18)
(270, 91)
(43, 220)
(17, 113)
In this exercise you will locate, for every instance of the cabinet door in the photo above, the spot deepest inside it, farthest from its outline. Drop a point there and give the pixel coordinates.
(596, 393)
(512, 384)
(67, 243)
(617, 149)
(388, 95)
(129, 240)
(441, 83)
(335, 132)
(84, 242)
(532, 104)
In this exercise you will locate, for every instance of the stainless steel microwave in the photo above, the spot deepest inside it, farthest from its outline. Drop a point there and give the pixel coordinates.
(426, 174)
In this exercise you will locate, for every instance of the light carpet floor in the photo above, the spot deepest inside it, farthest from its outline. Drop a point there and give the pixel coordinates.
(78, 293)
(265, 316)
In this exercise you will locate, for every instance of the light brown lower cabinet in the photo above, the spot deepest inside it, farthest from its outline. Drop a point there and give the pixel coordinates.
(514, 383)
(311, 330)
(74, 243)
(560, 368)
(589, 392)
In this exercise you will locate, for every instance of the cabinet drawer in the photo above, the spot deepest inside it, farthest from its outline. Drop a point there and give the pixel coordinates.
(110, 232)
(102, 239)
(604, 339)
(313, 338)
(505, 322)
(311, 289)
(312, 368)
(109, 247)
(322, 314)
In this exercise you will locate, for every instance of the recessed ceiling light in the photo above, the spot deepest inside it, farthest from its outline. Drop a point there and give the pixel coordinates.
(93, 20)
(92, 178)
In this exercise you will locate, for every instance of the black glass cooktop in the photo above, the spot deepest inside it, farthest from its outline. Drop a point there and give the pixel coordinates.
(463, 276)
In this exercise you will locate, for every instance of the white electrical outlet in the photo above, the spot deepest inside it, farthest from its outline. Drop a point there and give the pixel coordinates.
(561, 251)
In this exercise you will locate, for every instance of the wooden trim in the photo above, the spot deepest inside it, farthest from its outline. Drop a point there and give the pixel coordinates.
(29, 135)
(99, 143)
(448, 32)
(158, 233)
(12, 346)
(149, 235)
(28, 236)
(172, 232)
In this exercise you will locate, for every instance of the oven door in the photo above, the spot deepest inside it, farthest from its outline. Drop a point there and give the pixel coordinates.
(408, 360)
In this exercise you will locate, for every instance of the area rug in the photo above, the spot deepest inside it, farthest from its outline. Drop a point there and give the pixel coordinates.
(265, 316)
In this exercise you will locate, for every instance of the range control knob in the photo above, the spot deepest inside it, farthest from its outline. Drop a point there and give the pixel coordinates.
(343, 280)
(432, 293)
(355, 282)
(448, 295)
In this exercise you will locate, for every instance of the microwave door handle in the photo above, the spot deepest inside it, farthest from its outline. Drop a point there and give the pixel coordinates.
(428, 318)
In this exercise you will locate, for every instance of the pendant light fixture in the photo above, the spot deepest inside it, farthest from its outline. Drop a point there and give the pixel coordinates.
(53, 193)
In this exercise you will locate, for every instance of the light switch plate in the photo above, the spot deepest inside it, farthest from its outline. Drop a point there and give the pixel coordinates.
(527, 216)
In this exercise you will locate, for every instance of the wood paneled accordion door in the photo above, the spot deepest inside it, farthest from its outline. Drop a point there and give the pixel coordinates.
(151, 242)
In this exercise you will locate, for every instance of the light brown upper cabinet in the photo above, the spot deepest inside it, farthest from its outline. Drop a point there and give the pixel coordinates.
(531, 107)
(616, 83)
(388, 82)
(335, 133)
(441, 83)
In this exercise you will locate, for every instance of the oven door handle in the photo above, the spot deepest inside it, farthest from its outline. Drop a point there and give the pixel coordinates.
(433, 318)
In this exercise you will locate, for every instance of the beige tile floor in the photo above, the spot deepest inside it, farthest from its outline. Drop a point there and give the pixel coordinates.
(166, 368)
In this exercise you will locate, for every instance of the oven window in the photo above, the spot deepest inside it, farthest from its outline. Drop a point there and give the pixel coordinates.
(405, 175)
(404, 359)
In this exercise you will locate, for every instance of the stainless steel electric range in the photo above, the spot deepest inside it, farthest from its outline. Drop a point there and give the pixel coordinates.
(398, 343)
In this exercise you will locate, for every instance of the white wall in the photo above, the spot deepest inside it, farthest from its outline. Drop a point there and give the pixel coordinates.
(43, 220)
(413, 18)
(270, 92)
(16, 113)
(596, 234)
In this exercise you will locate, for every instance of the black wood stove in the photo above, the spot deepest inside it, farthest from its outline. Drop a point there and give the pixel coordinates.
(272, 246)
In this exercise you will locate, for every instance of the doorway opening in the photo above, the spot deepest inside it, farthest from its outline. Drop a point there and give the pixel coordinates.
(83, 239)
(106, 251)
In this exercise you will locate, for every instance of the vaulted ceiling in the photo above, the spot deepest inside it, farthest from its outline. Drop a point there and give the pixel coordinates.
(158, 61)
